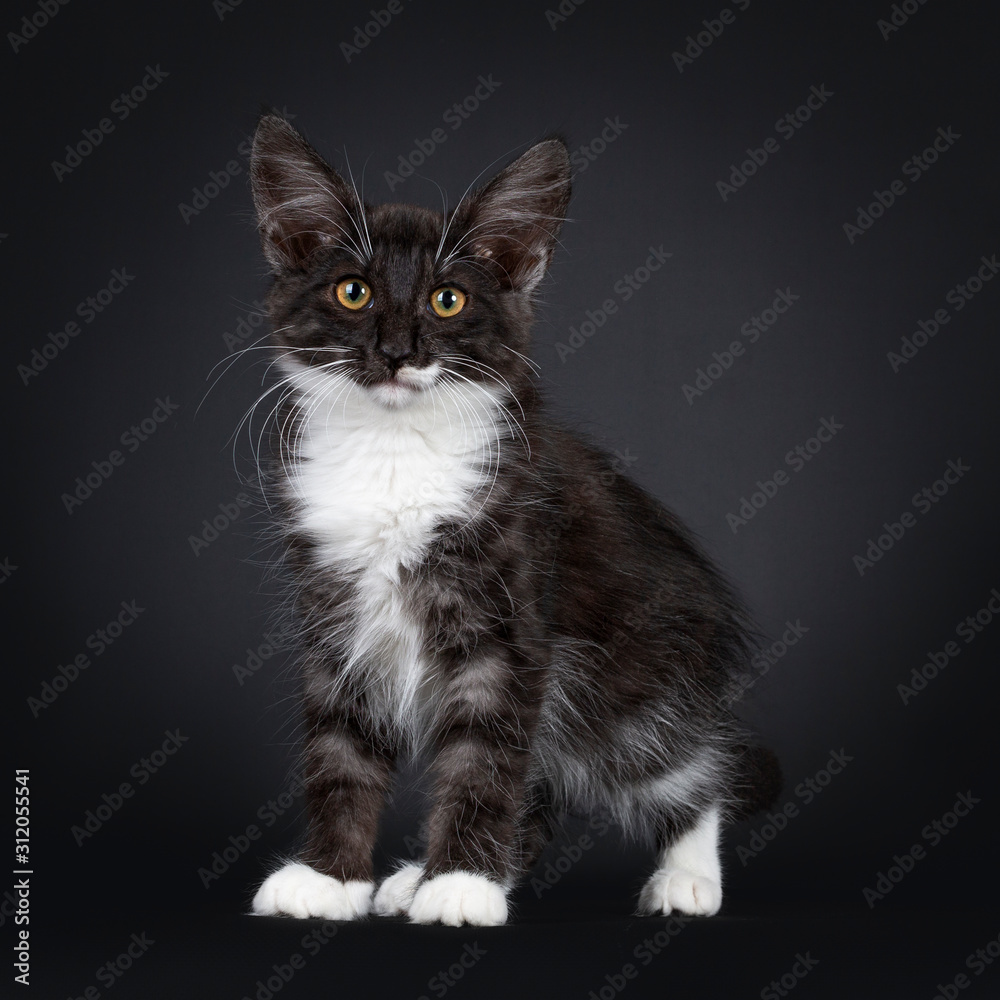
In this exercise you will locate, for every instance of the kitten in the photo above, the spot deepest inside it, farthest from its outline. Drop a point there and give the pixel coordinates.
(475, 584)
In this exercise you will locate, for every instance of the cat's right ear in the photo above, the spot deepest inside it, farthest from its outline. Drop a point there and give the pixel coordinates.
(513, 223)
(302, 203)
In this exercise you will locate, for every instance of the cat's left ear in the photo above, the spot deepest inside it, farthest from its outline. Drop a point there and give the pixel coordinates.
(512, 224)
(302, 203)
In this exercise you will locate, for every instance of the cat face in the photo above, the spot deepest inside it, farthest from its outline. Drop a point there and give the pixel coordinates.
(398, 299)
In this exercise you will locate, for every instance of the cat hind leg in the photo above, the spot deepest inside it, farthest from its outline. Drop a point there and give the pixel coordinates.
(688, 877)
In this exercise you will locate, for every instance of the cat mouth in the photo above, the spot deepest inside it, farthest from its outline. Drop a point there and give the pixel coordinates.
(405, 384)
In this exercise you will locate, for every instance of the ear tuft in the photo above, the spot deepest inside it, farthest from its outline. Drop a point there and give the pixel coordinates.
(514, 221)
(302, 203)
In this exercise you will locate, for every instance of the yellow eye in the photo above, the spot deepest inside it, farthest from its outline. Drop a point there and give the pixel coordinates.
(447, 301)
(353, 293)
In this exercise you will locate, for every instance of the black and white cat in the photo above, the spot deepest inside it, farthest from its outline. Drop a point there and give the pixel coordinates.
(474, 584)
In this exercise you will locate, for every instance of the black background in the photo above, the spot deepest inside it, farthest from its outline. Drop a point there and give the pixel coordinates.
(196, 278)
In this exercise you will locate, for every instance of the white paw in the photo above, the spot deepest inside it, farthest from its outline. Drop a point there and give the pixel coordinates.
(299, 891)
(396, 893)
(457, 898)
(675, 889)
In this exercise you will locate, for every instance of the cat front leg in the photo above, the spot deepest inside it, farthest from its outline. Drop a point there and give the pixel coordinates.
(348, 771)
(397, 890)
(481, 762)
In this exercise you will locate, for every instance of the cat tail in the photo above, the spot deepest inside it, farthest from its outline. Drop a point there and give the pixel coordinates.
(759, 780)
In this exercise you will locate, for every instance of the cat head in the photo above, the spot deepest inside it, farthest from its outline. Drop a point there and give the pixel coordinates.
(397, 298)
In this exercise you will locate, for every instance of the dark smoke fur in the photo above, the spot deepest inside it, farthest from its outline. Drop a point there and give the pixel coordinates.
(578, 645)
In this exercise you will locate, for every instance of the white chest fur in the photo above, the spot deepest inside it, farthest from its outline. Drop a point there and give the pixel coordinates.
(375, 484)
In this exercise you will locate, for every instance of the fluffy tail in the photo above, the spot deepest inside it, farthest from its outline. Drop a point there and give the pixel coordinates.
(760, 780)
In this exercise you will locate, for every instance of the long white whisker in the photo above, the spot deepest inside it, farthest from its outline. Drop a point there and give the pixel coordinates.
(533, 365)
(465, 194)
(366, 237)
(486, 369)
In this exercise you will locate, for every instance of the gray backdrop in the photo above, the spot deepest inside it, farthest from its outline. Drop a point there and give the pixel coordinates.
(826, 172)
